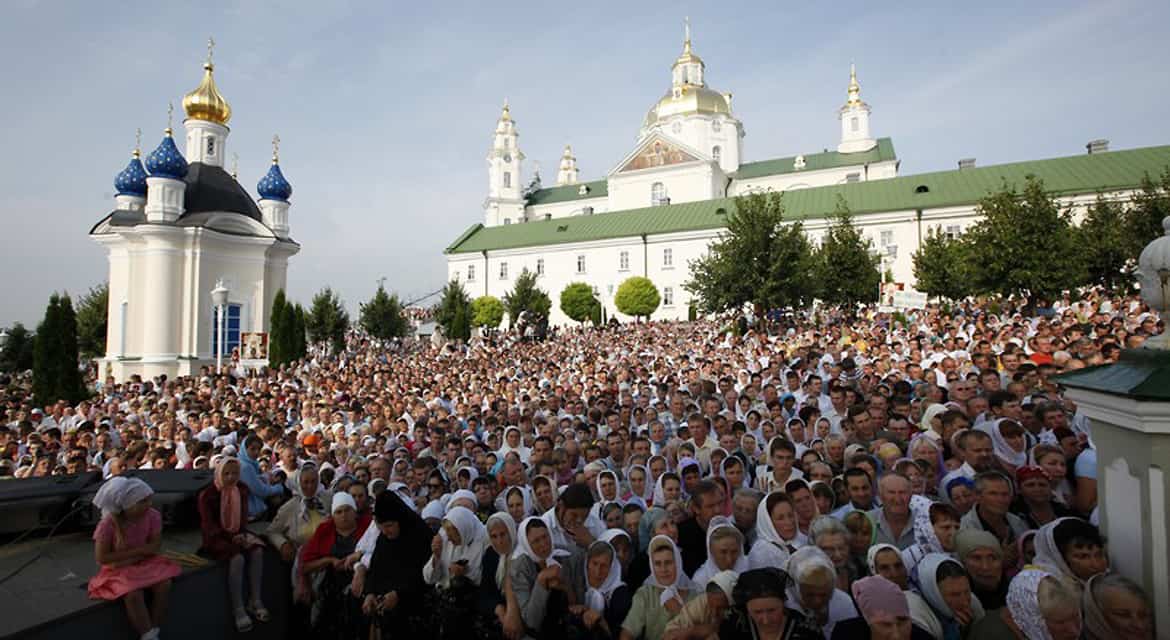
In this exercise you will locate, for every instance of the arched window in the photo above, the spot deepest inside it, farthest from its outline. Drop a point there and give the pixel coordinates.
(657, 193)
(716, 153)
(507, 179)
(854, 124)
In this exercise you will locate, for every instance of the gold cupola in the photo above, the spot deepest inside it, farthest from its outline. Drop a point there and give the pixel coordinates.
(854, 88)
(205, 102)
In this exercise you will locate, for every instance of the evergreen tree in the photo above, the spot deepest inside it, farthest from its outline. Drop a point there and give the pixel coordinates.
(1105, 248)
(1023, 244)
(92, 319)
(1143, 220)
(758, 260)
(578, 302)
(277, 331)
(526, 296)
(847, 273)
(487, 311)
(17, 354)
(941, 267)
(453, 313)
(291, 348)
(327, 319)
(637, 296)
(55, 356)
(298, 342)
(382, 316)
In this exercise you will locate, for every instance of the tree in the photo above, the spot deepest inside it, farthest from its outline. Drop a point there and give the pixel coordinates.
(847, 273)
(298, 343)
(758, 260)
(55, 357)
(382, 316)
(327, 319)
(17, 354)
(453, 313)
(1023, 244)
(637, 296)
(526, 296)
(941, 267)
(1104, 246)
(1143, 220)
(578, 302)
(278, 331)
(92, 319)
(487, 311)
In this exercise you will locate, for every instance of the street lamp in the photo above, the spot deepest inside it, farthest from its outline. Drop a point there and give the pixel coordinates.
(1154, 275)
(219, 297)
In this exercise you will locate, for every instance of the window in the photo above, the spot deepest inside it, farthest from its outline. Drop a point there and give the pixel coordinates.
(668, 257)
(854, 124)
(657, 193)
(231, 329)
(503, 271)
(581, 264)
(471, 273)
(886, 238)
(624, 261)
(953, 231)
(507, 179)
(716, 153)
(507, 143)
(667, 296)
(676, 128)
(853, 177)
(540, 266)
(716, 125)
(211, 147)
(507, 221)
(548, 216)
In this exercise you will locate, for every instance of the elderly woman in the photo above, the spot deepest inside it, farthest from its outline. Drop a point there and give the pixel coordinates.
(545, 579)
(655, 522)
(935, 526)
(662, 596)
(298, 519)
(498, 609)
(223, 516)
(946, 590)
(885, 613)
(830, 536)
(703, 614)
(778, 536)
(1073, 548)
(607, 599)
(455, 567)
(391, 572)
(326, 567)
(1040, 606)
(813, 590)
(724, 551)
(1116, 608)
(762, 610)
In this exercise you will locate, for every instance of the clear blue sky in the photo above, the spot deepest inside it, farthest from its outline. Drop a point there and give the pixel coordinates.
(385, 109)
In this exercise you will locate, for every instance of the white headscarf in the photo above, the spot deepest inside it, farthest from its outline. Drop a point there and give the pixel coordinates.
(1023, 603)
(120, 493)
(617, 492)
(681, 581)
(524, 548)
(745, 482)
(871, 555)
(709, 568)
(926, 577)
(522, 451)
(524, 496)
(598, 598)
(1048, 555)
(509, 524)
(766, 529)
(647, 486)
(1003, 451)
(659, 492)
(473, 541)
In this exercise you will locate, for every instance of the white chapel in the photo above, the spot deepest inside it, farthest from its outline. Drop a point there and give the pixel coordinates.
(182, 225)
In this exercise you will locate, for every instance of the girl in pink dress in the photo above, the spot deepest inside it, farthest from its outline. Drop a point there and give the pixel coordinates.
(126, 544)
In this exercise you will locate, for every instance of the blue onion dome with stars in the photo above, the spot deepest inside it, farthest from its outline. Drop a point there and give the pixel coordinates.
(273, 186)
(166, 161)
(132, 180)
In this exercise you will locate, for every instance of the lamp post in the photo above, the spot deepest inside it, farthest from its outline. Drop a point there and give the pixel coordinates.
(219, 297)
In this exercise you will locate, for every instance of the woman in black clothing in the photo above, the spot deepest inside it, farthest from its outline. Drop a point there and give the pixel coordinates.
(607, 599)
(394, 584)
(498, 613)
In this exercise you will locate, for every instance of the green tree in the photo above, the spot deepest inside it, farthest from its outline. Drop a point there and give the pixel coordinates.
(1143, 220)
(382, 316)
(941, 267)
(327, 319)
(92, 318)
(453, 313)
(637, 296)
(1023, 244)
(578, 302)
(278, 331)
(17, 354)
(758, 260)
(526, 296)
(298, 343)
(1104, 246)
(487, 311)
(55, 355)
(847, 273)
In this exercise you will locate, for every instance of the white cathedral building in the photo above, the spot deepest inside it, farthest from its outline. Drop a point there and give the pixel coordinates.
(666, 201)
(181, 226)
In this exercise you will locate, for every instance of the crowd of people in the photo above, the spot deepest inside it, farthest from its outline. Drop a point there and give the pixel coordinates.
(836, 475)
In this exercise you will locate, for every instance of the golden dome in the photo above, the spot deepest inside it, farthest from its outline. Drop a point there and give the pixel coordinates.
(691, 100)
(205, 102)
(854, 88)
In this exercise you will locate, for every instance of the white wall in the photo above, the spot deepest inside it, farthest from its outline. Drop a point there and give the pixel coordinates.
(689, 182)
(566, 209)
(806, 179)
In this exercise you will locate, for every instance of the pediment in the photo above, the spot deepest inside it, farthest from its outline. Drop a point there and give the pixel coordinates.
(658, 151)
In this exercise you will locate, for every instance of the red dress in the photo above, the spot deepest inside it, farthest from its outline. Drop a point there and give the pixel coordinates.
(217, 541)
(112, 582)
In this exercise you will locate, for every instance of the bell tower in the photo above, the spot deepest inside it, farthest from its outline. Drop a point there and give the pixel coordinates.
(505, 201)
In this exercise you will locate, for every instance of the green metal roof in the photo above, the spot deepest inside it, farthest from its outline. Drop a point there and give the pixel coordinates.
(568, 193)
(816, 161)
(1108, 171)
(1141, 373)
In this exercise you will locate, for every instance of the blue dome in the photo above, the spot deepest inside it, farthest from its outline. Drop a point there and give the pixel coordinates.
(273, 186)
(166, 161)
(132, 180)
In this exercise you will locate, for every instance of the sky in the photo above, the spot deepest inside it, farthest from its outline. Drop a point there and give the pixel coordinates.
(385, 109)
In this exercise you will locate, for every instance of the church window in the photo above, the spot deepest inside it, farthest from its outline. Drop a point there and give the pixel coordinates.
(581, 264)
(716, 125)
(953, 231)
(503, 271)
(231, 329)
(507, 143)
(507, 179)
(657, 194)
(716, 153)
(540, 266)
(667, 296)
(210, 147)
(853, 177)
(471, 273)
(624, 261)
(507, 221)
(886, 238)
(668, 257)
(854, 124)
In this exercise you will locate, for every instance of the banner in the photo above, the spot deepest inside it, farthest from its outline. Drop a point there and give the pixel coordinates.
(896, 296)
(254, 346)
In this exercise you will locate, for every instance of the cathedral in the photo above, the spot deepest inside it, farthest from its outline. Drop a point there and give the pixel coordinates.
(182, 226)
(660, 207)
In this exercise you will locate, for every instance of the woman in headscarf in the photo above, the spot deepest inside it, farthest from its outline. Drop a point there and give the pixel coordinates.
(126, 545)
(223, 516)
(924, 448)
(517, 503)
(655, 522)
(545, 579)
(544, 494)
(391, 573)
(724, 550)
(607, 599)
(885, 613)
(1008, 442)
(946, 589)
(608, 490)
(1116, 608)
(667, 489)
(777, 533)
(514, 442)
(498, 610)
(1039, 607)
(813, 590)
(763, 609)
(750, 447)
(733, 470)
(638, 479)
(326, 565)
(1035, 502)
(935, 525)
(663, 594)
(621, 541)
(703, 614)
(885, 560)
(257, 483)
(455, 568)
(930, 419)
(1072, 548)
(298, 518)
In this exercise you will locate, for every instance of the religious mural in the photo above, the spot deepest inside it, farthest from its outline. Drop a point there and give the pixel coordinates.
(658, 153)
